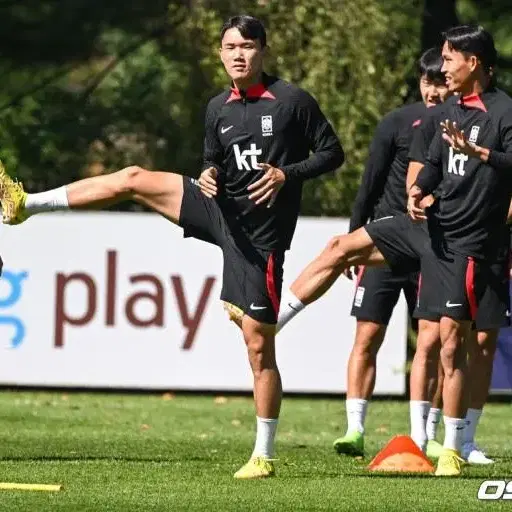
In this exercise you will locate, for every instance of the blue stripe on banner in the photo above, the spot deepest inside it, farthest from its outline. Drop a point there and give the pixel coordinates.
(502, 369)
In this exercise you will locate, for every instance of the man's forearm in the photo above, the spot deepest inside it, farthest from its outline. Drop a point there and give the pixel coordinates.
(412, 174)
(320, 162)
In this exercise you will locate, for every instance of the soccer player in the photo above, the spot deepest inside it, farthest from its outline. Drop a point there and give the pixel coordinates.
(257, 154)
(382, 193)
(469, 159)
(493, 313)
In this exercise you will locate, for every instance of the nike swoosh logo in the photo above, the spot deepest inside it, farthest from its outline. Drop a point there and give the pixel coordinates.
(224, 130)
(255, 308)
(450, 305)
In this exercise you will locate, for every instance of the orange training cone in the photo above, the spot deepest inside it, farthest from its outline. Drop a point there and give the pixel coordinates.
(401, 454)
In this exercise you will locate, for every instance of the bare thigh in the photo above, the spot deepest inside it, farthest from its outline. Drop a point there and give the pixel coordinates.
(160, 191)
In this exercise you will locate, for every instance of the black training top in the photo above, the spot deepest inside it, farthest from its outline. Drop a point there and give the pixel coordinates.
(382, 191)
(273, 122)
(426, 130)
(474, 196)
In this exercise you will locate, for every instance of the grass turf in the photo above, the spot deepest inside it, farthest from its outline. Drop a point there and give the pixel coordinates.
(164, 452)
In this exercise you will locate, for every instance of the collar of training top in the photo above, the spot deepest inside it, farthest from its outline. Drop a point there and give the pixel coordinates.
(476, 100)
(256, 91)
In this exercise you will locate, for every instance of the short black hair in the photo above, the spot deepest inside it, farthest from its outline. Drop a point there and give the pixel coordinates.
(430, 65)
(473, 40)
(249, 26)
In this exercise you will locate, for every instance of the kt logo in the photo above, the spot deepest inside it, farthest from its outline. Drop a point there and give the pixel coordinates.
(14, 289)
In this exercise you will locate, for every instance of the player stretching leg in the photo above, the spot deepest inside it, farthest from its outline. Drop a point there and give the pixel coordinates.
(246, 201)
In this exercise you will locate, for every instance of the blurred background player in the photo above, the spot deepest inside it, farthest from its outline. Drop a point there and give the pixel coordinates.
(382, 193)
(263, 138)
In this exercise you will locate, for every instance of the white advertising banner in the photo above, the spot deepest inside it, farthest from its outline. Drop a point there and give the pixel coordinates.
(122, 300)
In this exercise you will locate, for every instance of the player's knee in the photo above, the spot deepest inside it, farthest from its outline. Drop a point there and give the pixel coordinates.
(369, 337)
(128, 179)
(428, 347)
(451, 353)
(364, 349)
(336, 250)
(260, 348)
(259, 355)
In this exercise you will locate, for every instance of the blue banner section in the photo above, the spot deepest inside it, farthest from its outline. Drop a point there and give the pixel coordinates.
(502, 370)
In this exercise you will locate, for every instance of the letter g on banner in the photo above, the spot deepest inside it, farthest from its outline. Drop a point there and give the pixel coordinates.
(15, 289)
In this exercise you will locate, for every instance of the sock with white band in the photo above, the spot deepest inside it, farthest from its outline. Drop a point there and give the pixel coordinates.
(49, 201)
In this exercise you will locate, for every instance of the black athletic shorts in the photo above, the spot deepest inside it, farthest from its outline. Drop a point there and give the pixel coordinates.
(401, 241)
(493, 308)
(455, 283)
(252, 277)
(378, 290)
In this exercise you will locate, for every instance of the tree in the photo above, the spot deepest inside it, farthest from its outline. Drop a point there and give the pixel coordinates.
(438, 16)
(133, 84)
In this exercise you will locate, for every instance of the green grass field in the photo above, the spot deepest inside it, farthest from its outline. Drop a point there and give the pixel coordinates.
(163, 452)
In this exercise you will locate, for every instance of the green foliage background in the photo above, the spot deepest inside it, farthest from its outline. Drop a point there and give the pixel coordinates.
(89, 87)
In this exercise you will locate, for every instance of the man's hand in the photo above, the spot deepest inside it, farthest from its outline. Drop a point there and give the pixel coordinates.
(427, 201)
(416, 212)
(268, 186)
(208, 182)
(457, 139)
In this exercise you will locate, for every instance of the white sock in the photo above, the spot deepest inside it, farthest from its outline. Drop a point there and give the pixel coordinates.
(290, 306)
(265, 434)
(419, 410)
(453, 432)
(434, 417)
(49, 201)
(472, 419)
(356, 414)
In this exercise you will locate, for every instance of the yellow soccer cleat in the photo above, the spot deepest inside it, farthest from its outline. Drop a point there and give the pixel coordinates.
(449, 463)
(12, 197)
(234, 312)
(257, 467)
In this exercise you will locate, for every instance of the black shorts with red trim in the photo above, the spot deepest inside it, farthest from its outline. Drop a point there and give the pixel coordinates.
(454, 283)
(377, 292)
(465, 289)
(252, 277)
(463, 280)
